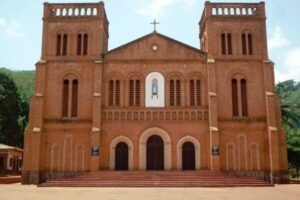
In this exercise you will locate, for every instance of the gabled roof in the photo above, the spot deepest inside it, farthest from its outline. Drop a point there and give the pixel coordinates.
(192, 50)
(6, 147)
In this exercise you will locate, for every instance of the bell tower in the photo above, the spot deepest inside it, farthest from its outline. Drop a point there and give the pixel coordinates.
(231, 30)
(74, 31)
(66, 105)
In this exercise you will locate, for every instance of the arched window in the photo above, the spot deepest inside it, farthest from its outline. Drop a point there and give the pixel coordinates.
(82, 44)
(114, 92)
(195, 91)
(239, 97)
(70, 96)
(61, 44)
(247, 46)
(134, 92)
(226, 43)
(155, 86)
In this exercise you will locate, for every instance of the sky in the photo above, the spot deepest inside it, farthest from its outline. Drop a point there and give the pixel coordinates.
(21, 28)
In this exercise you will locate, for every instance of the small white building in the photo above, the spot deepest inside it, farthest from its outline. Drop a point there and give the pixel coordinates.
(11, 159)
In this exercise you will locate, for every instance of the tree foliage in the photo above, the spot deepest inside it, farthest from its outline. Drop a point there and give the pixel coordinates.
(11, 131)
(290, 115)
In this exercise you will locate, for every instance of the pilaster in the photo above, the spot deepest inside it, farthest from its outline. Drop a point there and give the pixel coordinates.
(96, 127)
(214, 156)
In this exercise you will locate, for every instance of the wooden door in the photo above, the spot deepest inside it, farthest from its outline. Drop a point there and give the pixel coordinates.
(155, 153)
(188, 156)
(121, 156)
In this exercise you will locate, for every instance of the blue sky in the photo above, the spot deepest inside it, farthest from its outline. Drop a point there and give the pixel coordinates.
(21, 28)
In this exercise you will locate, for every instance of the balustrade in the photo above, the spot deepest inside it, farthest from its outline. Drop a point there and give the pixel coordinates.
(155, 114)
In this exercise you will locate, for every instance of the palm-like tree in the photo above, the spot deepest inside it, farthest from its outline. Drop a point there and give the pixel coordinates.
(290, 110)
(290, 115)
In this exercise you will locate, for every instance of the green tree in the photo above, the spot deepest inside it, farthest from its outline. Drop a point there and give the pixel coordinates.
(290, 109)
(11, 132)
(290, 115)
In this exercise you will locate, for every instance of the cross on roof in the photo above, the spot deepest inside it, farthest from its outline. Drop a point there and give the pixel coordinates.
(154, 24)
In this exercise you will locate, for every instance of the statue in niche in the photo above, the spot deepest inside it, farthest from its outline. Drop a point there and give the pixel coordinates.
(154, 88)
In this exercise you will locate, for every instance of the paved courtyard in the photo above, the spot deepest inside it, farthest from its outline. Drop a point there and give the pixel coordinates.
(20, 192)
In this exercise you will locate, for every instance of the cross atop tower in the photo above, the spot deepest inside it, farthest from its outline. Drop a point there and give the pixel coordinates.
(154, 24)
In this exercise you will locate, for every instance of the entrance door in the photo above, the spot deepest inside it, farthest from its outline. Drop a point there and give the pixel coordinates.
(188, 156)
(155, 153)
(121, 156)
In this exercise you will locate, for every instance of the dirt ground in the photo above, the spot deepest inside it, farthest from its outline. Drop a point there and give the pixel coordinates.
(21, 192)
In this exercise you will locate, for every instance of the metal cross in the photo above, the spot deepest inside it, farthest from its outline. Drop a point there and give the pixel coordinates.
(154, 24)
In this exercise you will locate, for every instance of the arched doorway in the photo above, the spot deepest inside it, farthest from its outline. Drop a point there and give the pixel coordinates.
(188, 156)
(155, 153)
(121, 156)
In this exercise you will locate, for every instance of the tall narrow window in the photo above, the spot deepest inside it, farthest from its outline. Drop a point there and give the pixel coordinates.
(134, 93)
(117, 93)
(175, 92)
(239, 97)
(235, 106)
(58, 44)
(195, 92)
(70, 96)
(131, 93)
(244, 98)
(247, 45)
(226, 43)
(137, 93)
(172, 95)
(65, 98)
(198, 92)
(250, 44)
(79, 41)
(223, 43)
(192, 93)
(229, 44)
(65, 43)
(111, 93)
(178, 93)
(74, 98)
(82, 44)
(85, 44)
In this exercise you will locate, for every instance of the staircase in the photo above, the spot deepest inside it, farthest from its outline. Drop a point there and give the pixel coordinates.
(156, 179)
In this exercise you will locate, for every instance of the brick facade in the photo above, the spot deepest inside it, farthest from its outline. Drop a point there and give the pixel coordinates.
(219, 99)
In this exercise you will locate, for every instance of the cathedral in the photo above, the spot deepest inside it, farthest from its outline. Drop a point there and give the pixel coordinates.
(154, 103)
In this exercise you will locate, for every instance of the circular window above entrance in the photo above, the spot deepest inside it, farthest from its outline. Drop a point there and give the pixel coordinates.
(154, 47)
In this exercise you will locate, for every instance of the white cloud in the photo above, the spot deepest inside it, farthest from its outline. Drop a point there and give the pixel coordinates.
(13, 29)
(277, 39)
(291, 66)
(188, 4)
(156, 8)
(2, 22)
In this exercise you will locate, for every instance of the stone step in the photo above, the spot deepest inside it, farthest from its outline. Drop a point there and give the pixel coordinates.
(156, 179)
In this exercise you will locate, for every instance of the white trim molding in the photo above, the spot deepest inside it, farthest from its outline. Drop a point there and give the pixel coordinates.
(197, 151)
(112, 149)
(167, 147)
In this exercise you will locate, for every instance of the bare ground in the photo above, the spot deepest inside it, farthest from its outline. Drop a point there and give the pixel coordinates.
(21, 192)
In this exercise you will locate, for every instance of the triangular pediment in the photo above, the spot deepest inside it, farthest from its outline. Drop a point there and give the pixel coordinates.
(155, 46)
